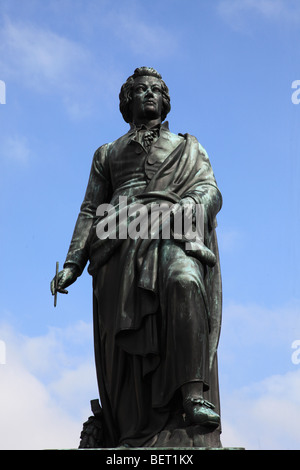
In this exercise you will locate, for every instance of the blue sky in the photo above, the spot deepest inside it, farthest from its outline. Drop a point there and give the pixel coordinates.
(229, 66)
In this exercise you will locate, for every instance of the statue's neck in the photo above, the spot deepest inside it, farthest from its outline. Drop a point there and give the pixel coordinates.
(147, 123)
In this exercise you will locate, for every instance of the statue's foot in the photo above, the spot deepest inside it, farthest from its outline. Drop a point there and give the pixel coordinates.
(200, 411)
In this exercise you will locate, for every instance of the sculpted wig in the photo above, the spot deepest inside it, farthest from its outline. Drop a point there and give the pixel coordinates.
(126, 90)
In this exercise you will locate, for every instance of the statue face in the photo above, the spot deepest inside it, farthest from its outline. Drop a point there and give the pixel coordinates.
(146, 99)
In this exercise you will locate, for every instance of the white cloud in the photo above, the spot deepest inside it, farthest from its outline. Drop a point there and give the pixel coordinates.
(30, 419)
(264, 415)
(74, 389)
(46, 386)
(259, 383)
(48, 381)
(37, 351)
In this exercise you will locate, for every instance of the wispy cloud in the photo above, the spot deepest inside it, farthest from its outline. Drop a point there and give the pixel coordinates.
(261, 325)
(141, 29)
(229, 240)
(47, 62)
(142, 38)
(256, 341)
(44, 58)
(83, 72)
(15, 148)
(236, 12)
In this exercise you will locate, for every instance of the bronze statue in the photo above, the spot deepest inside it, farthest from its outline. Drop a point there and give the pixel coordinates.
(156, 303)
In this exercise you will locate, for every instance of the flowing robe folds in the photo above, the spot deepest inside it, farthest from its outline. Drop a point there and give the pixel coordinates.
(157, 308)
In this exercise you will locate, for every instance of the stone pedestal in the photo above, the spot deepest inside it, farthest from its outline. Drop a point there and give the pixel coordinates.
(177, 434)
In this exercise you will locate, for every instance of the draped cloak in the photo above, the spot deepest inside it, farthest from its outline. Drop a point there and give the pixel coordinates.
(135, 380)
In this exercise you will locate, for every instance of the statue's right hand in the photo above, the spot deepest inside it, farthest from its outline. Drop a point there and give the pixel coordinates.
(65, 278)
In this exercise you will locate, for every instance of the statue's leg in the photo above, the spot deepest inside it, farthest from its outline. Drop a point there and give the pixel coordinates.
(184, 315)
(187, 330)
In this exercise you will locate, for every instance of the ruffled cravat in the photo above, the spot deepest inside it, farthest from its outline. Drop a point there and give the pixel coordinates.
(149, 137)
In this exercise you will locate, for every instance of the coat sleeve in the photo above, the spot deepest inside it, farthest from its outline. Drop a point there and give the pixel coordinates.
(98, 191)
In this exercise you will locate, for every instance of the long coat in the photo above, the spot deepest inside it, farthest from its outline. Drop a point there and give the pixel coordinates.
(129, 316)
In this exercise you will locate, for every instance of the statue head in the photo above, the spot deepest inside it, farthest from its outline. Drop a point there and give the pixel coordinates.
(127, 88)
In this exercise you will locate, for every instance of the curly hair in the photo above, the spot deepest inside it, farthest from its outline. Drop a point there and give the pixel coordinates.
(126, 90)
